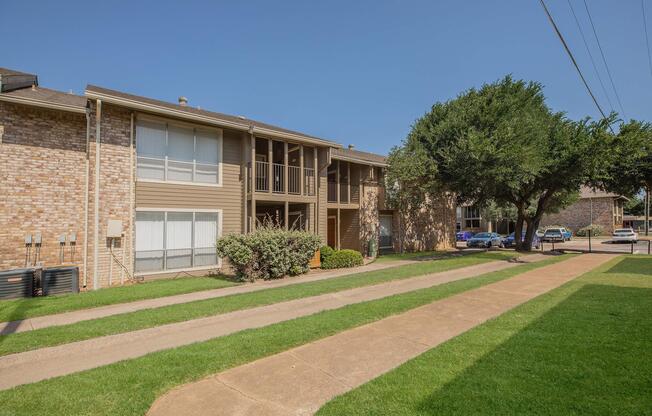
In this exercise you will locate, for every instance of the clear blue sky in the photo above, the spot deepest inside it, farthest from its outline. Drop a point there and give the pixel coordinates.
(357, 72)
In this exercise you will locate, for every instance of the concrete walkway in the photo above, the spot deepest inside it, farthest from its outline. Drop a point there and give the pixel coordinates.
(299, 381)
(32, 366)
(67, 318)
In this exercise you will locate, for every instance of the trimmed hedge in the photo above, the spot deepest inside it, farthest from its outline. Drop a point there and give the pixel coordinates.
(343, 258)
(325, 252)
(269, 253)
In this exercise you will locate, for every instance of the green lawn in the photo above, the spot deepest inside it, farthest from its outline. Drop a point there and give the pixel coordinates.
(585, 348)
(15, 309)
(24, 341)
(130, 387)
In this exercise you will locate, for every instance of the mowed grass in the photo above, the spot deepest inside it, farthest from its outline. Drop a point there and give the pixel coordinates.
(585, 348)
(130, 387)
(57, 335)
(16, 309)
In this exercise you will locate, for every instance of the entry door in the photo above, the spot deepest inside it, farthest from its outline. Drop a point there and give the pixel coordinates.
(385, 231)
(332, 236)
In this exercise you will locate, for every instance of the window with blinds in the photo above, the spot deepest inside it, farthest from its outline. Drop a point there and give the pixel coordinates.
(175, 153)
(172, 240)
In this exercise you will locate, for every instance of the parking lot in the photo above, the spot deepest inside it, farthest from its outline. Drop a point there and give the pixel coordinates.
(598, 244)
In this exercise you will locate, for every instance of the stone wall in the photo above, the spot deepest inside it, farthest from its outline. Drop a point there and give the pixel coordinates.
(579, 215)
(431, 227)
(42, 176)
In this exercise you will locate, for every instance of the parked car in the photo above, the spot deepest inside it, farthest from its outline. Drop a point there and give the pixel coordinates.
(556, 234)
(485, 240)
(510, 240)
(624, 235)
(463, 235)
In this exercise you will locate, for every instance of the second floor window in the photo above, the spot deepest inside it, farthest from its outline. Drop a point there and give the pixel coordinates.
(175, 153)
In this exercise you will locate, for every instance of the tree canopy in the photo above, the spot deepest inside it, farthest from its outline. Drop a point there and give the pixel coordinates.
(499, 144)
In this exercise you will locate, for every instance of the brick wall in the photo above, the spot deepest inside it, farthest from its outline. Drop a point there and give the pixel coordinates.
(42, 175)
(432, 227)
(116, 195)
(579, 214)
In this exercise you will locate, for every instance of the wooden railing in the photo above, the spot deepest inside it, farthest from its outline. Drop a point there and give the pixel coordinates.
(261, 183)
(279, 177)
(261, 180)
(294, 180)
(309, 181)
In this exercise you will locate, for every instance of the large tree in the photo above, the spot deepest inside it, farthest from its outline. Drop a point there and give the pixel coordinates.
(630, 162)
(499, 144)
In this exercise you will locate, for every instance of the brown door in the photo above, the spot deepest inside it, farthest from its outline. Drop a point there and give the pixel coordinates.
(332, 225)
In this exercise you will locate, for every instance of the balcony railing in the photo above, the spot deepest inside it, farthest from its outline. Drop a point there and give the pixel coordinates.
(262, 181)
(279, 178)
(294, 182)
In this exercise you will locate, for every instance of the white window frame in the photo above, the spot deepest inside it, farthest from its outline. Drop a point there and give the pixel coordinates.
(194, 127)
(220, 216)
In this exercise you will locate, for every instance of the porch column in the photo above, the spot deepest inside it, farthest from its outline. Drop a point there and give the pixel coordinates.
(286, 179)
(348, 180)
(252, 224)
(287, 214)
(301, 172)
(270, 168)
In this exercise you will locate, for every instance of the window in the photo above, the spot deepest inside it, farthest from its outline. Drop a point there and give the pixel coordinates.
(175, 240)
(471, 217)
(169, 152)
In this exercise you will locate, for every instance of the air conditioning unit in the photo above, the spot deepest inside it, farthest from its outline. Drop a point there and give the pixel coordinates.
(17, 283)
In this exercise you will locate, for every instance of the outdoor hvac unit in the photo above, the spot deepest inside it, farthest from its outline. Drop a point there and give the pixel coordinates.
(18, 283)
(58, 280)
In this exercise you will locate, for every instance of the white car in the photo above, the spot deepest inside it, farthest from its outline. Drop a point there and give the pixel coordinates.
(624, 235)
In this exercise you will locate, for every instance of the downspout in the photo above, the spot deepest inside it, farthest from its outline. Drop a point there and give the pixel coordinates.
(96, 225)
(87, 173)
(132, 197)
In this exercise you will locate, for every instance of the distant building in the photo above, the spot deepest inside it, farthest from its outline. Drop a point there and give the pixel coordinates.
(595, 207)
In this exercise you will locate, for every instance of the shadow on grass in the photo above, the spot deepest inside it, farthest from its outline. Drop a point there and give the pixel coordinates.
(590, 354)
(631, 265)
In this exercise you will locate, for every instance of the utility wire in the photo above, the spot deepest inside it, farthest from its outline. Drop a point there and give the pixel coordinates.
(595, 33)
(572, 58)
(588, 50)
(647, 39)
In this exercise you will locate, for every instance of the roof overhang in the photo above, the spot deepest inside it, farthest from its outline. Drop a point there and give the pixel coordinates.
(42, 103)
(212, 120)
(359, 161)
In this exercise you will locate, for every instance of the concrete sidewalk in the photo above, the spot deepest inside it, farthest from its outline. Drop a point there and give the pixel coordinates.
(67, 318)
(36, 365)
(299, 381)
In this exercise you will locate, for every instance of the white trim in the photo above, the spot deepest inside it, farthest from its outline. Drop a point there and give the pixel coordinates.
(41, 103)
(213, 120)
(191, 269)
(157, 209)
(210, 185)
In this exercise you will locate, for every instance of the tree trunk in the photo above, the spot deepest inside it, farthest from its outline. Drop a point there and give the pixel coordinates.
(518, 231)
(647, 210)
(527, 243)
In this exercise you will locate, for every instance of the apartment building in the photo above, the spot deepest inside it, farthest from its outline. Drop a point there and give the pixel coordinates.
(124, 186)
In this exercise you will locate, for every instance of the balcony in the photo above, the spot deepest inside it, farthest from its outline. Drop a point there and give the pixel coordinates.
(343, 183)
(261, 182)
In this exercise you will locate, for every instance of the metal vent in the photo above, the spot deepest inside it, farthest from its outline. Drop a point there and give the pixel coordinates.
(18, 283)
(59, 280)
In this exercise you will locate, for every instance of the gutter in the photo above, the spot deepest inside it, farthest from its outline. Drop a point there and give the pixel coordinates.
(87, 170)
(41, 103)
(213, 120)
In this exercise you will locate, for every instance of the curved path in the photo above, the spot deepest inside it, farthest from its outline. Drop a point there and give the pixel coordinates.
(299, 381)
(41, 364)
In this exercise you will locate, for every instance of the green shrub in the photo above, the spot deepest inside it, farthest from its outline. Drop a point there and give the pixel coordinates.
(325, 252)
(596, 230)
(343, 258)
(269, 253)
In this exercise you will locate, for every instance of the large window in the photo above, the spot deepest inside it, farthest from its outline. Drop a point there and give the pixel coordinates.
(471, 217)
(172, 240)
(175, 153)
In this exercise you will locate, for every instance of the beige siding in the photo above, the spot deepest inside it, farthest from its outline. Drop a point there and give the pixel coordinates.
(350, 229)
(228, 197)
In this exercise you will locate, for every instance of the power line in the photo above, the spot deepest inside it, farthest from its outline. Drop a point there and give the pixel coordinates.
(588, 50)
(595, 33)
(647, 39)
(572, 58)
